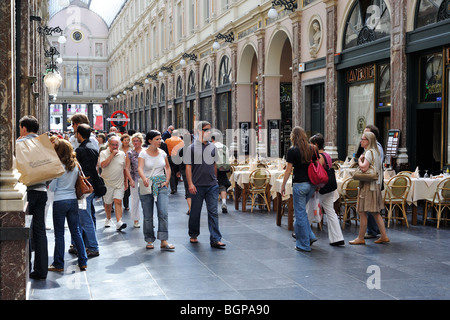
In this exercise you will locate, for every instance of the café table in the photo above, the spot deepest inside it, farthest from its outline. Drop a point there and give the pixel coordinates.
(240, 180)
(421, 189)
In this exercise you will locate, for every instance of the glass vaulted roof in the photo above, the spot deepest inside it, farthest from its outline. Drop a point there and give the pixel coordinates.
(106, 9)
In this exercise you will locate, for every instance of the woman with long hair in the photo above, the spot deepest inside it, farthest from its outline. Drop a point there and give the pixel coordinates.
(326, 199)
(299, 157)
(126, 147)
(132, 166)
(65, 206)
(369, 194)
(153, 166)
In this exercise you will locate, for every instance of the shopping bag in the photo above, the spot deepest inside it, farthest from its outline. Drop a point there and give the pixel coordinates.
(313, 209)
(37, 161)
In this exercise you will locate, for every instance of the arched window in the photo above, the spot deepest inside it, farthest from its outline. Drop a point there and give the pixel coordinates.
(147, 98)
(142, 100)
(432, 11)
(368, 21)
(191, 83)
(136, 102)
(179, 92)
(206, 77)
(162, 93)
(224, 71)
(154, 99)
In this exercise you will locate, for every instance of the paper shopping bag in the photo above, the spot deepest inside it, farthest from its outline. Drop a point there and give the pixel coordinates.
(37, 161)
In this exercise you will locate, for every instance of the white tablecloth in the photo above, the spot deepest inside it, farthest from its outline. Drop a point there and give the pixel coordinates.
(276, 187)
(241, 177)
(421, 189)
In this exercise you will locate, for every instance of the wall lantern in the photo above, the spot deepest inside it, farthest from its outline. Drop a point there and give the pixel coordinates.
(190, 56)
(288, 5)
(227, 37)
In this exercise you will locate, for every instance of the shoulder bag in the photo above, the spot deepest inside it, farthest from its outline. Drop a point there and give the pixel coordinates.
(316, 173)
(143, 190)
(82, 186)
(332, 183)
(369, 175)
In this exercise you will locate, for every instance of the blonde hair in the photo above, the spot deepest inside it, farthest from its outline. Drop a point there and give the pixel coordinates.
(372, 141)
(300, 140)
(139, 136)
(65, 152)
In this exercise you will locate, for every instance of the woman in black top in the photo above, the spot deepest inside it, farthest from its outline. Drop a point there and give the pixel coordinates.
(299, 157)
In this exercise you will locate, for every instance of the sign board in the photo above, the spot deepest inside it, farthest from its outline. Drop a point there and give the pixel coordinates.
(393, 141)
(119, 118)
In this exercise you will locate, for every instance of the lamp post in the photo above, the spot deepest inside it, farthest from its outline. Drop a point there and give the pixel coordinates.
(288, 5)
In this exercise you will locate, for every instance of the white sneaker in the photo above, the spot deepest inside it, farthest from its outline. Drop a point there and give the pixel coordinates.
(120, 225)
(136, 224)
(108, 223)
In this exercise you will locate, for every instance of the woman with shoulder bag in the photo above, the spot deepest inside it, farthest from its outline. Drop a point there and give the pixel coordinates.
(326, 199)
(369, 194)
(65, 206)
(299, 157)
(154, 172)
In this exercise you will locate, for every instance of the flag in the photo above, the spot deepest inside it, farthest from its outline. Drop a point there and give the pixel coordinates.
(78, 76)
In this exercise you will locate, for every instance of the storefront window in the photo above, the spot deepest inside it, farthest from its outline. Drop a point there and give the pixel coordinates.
(432, 11)
(368, 21)
(448, 116)
(56, 114)
(384, 86)
(431, 78)
(224, 71)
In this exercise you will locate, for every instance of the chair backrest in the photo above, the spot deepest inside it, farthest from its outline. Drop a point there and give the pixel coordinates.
(261, 165)
(398, 187)
(259, 178)
(337, 164)
(245, 168)
(405, 173)
(443, 190)
(350, 188)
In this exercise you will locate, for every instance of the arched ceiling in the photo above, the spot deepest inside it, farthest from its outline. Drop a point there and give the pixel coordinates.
(106, 9)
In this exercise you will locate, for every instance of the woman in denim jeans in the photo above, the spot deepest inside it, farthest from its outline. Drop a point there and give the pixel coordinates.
(153, 165)
(299, 156)
(65, 205)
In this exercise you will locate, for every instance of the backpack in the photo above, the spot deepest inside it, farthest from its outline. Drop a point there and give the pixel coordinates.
(223, 164)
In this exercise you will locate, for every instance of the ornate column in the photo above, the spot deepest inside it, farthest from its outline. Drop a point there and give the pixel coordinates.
(213, 90)
(13, 232)
(297, 96)
(233, 61)
(331, 80)
(398, 75)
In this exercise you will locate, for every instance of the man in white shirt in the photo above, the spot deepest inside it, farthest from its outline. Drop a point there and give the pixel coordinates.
(115, 175)
(76, 120)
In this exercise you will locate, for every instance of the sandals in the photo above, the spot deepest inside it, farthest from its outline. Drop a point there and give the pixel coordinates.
(167, 247)
(193, 240)
(149, 246)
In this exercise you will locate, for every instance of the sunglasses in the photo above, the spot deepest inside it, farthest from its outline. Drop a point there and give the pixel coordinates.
(206, 130)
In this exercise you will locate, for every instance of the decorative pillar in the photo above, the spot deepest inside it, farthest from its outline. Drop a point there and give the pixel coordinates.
(398, 75)
(13, 231)
(233, 80)
(214, 106)
(297, 97)
(331, 127)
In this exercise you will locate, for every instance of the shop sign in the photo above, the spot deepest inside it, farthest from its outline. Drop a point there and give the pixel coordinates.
(360, 74)
(120, 117)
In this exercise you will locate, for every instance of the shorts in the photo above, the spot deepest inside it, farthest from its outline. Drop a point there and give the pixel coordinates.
(113, 193)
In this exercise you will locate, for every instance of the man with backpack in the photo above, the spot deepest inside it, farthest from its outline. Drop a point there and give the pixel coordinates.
(223, 166)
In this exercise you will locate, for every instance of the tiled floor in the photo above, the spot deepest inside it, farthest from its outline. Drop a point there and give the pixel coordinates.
(259, 263)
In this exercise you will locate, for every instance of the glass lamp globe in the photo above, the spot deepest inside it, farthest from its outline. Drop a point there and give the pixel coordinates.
(62, 39)
(53, 81)
(273, 13)
(216, 45)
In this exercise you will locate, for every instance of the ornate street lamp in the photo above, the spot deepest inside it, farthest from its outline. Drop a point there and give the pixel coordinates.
(288, 5)
(227, 37)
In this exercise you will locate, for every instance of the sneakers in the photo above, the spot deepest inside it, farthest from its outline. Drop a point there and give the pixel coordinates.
(53, 268)
(108, 223)
(120, 225)
(136, 224)
(224, 208)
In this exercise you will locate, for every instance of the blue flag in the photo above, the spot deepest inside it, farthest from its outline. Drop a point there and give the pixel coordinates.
(78, 76)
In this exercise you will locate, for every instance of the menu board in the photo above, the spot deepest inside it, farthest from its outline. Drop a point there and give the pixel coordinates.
(393, 141)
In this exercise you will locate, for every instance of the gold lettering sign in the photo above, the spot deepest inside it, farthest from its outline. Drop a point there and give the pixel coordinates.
(361, 73)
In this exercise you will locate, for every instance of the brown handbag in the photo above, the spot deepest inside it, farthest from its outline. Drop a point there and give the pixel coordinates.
(82, 186)
(368, 176)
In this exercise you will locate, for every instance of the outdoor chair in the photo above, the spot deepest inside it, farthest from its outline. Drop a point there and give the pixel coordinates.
(396, 191)
(349, 199)
(258, 183)
(440, 201)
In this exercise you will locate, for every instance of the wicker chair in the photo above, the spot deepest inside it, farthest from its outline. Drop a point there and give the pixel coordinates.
(349, 199)
(440, 201)
(396, 191)
(258, 181)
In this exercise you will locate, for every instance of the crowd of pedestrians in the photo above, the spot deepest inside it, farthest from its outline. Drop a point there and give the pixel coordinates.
(133, 171)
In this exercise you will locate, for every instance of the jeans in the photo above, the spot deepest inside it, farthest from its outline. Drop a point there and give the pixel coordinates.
(302, 192)
(36, 207)
(87, 225)
(210, 194)
(61, 210)
(372, 227)
(162, 204)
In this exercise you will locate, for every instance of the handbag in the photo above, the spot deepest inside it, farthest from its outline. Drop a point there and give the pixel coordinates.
(369, 175)
(37, 161)
(332, 183)
(99, 187)
(314, 209)
(143, 190)
(82, 186)
(316, 173)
